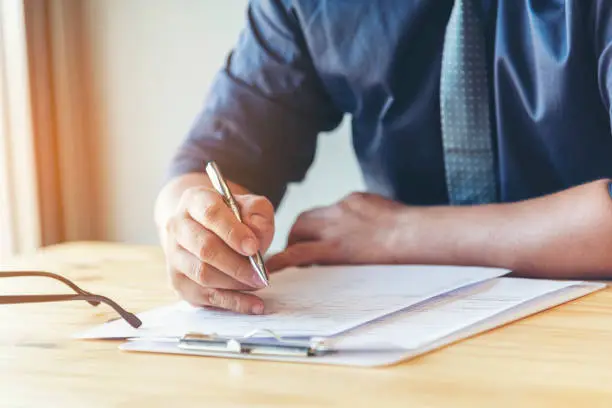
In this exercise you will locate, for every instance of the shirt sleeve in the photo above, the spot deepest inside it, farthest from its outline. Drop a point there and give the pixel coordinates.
(602, 26)
(264, 110)
(602, 13)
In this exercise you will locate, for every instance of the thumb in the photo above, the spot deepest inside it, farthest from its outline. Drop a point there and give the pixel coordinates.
(301, 254)
(258, 214)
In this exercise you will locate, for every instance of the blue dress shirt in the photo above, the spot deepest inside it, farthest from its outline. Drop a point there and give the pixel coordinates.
(299, 66)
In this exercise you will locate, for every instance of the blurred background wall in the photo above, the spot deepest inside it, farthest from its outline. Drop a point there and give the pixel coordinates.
(152, 62)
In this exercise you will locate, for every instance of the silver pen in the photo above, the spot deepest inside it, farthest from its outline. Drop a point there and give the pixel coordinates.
(218, 182)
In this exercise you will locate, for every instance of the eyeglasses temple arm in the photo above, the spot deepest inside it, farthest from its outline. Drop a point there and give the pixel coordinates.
(131, 318)
(67, 282)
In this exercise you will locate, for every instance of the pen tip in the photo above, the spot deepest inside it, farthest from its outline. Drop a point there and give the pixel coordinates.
(264, 277)
(260, 268)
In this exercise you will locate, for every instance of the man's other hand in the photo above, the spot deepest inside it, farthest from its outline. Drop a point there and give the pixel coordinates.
(360, 229)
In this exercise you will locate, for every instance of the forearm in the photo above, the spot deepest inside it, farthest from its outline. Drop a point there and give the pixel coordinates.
(563, 235)
(170, 196)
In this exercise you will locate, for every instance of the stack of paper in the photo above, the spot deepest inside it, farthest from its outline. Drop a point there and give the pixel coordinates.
(375, 315)
(320, 301)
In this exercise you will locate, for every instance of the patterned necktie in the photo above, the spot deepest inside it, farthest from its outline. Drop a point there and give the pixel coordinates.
(464, 110)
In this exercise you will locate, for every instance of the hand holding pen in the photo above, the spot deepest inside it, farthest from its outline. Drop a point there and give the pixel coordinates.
(214, 247)
(219, 183)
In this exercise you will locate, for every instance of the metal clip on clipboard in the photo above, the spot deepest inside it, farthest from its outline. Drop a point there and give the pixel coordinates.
(272, 345)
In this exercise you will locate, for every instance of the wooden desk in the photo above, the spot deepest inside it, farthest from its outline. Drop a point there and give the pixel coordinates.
(560, 358)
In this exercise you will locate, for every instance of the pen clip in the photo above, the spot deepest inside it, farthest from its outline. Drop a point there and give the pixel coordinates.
(218, 182)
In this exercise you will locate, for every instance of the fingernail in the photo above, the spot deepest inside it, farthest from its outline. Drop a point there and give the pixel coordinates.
(215, 298)
(260, 222)
(249, 246)
(257, 309)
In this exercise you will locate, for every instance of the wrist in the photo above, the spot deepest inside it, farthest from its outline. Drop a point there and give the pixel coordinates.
(450, 235)
(405, 235)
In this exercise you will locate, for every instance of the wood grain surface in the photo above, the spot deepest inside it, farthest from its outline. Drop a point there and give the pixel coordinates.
(558, 358)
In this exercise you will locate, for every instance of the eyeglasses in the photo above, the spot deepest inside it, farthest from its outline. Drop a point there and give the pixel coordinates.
(80, 294)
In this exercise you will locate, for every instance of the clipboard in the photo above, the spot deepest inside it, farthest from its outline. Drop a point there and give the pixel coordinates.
(256, 343)
(266, 345)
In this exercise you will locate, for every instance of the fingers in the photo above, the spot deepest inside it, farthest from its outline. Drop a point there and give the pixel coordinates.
(303, 254)
(204, 274)
(207, 246)
(208, 209)
(207, 260)
(302, 230)
(305, 245)
(312, 224)
(258, 214)
(234, 301)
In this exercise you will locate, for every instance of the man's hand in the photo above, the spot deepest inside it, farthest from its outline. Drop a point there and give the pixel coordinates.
(360, 229)
(565, 235)
(207, 247)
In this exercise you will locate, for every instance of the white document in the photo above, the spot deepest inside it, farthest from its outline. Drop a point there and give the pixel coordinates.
(451, 313)
(425, 327)
(315, 301)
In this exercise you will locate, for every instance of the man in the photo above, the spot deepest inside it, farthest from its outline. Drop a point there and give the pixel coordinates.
(500, 108)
